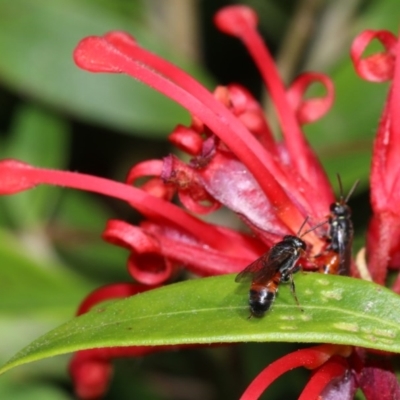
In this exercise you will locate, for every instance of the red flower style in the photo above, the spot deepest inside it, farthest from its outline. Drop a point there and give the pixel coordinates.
(383, 245)
(272, 185)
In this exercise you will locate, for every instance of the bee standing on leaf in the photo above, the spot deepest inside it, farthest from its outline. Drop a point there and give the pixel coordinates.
(276, 266)
(336, 257)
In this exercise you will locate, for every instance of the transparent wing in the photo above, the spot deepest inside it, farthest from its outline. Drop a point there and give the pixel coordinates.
(264, 268)
(344, 250)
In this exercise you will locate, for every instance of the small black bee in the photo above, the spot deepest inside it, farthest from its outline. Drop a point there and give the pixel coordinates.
(336, 257)
(272, 268)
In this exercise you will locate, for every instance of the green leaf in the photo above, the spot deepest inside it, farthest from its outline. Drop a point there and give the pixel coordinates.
(40, 138)
(213, 310)
(80, 221)
(31, 287)
(32, 390)
(37, 39)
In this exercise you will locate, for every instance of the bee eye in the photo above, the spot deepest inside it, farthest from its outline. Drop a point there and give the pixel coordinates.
(334, 208)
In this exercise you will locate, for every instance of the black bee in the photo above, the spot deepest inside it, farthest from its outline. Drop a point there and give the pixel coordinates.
(272, 268)
(336, 257)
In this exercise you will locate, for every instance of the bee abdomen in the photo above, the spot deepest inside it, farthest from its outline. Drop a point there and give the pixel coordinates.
(260, 301)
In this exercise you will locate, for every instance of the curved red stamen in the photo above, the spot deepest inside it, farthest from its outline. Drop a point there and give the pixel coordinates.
(239, 21)
(147, 264)
(310, 110)
(194, 206)
(123, 43)
(385, 169)
(187, 140)
(157, 188)
(150, 269)
(154, 186)
(379, 175)
(250, 112)
(310, 358)
(236, 20)
(204, 263)
(130, 237)
(165, 245)
(332, 369)
(17, 176)
(378, 67)
(383, 231)
(393, 150)
(98, 54)
(145, 168)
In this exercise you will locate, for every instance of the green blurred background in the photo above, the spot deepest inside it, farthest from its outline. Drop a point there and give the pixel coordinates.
(54, 115)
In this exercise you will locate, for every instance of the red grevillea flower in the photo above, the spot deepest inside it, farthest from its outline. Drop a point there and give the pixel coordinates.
(272, 185)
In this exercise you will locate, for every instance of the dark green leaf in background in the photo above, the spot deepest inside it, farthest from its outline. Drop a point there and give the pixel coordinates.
(37, 39)
(42, 139)
(30, 286)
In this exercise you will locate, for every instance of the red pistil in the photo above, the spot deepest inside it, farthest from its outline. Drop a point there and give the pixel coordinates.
(168, 245)
(240, 21)
(18, 176)
(117, 52)
(310, 110)
(187, 140)
(335, 367)
(309, 358)
(385, 171)
(378, 67)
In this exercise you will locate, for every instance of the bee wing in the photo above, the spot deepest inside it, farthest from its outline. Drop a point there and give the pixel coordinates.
(261, 269)
(341, 243)
(344, 253)
(251, 269)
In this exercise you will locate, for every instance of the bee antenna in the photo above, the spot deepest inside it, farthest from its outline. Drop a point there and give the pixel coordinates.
(314, 227)
(340, 187)
(302, 226)
(351, 191)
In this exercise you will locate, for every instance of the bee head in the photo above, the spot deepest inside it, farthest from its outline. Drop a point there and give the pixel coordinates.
(295, 241)
(339, 209)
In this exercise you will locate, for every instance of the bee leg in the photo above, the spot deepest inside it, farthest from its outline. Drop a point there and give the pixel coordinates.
(293, 290)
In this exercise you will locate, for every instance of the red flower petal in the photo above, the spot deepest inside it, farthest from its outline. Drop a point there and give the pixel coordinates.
(187, 140)
(310, 358)
(383, 238)
(156, 249)
(310, 110)
(378, 67)
(328, 373)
